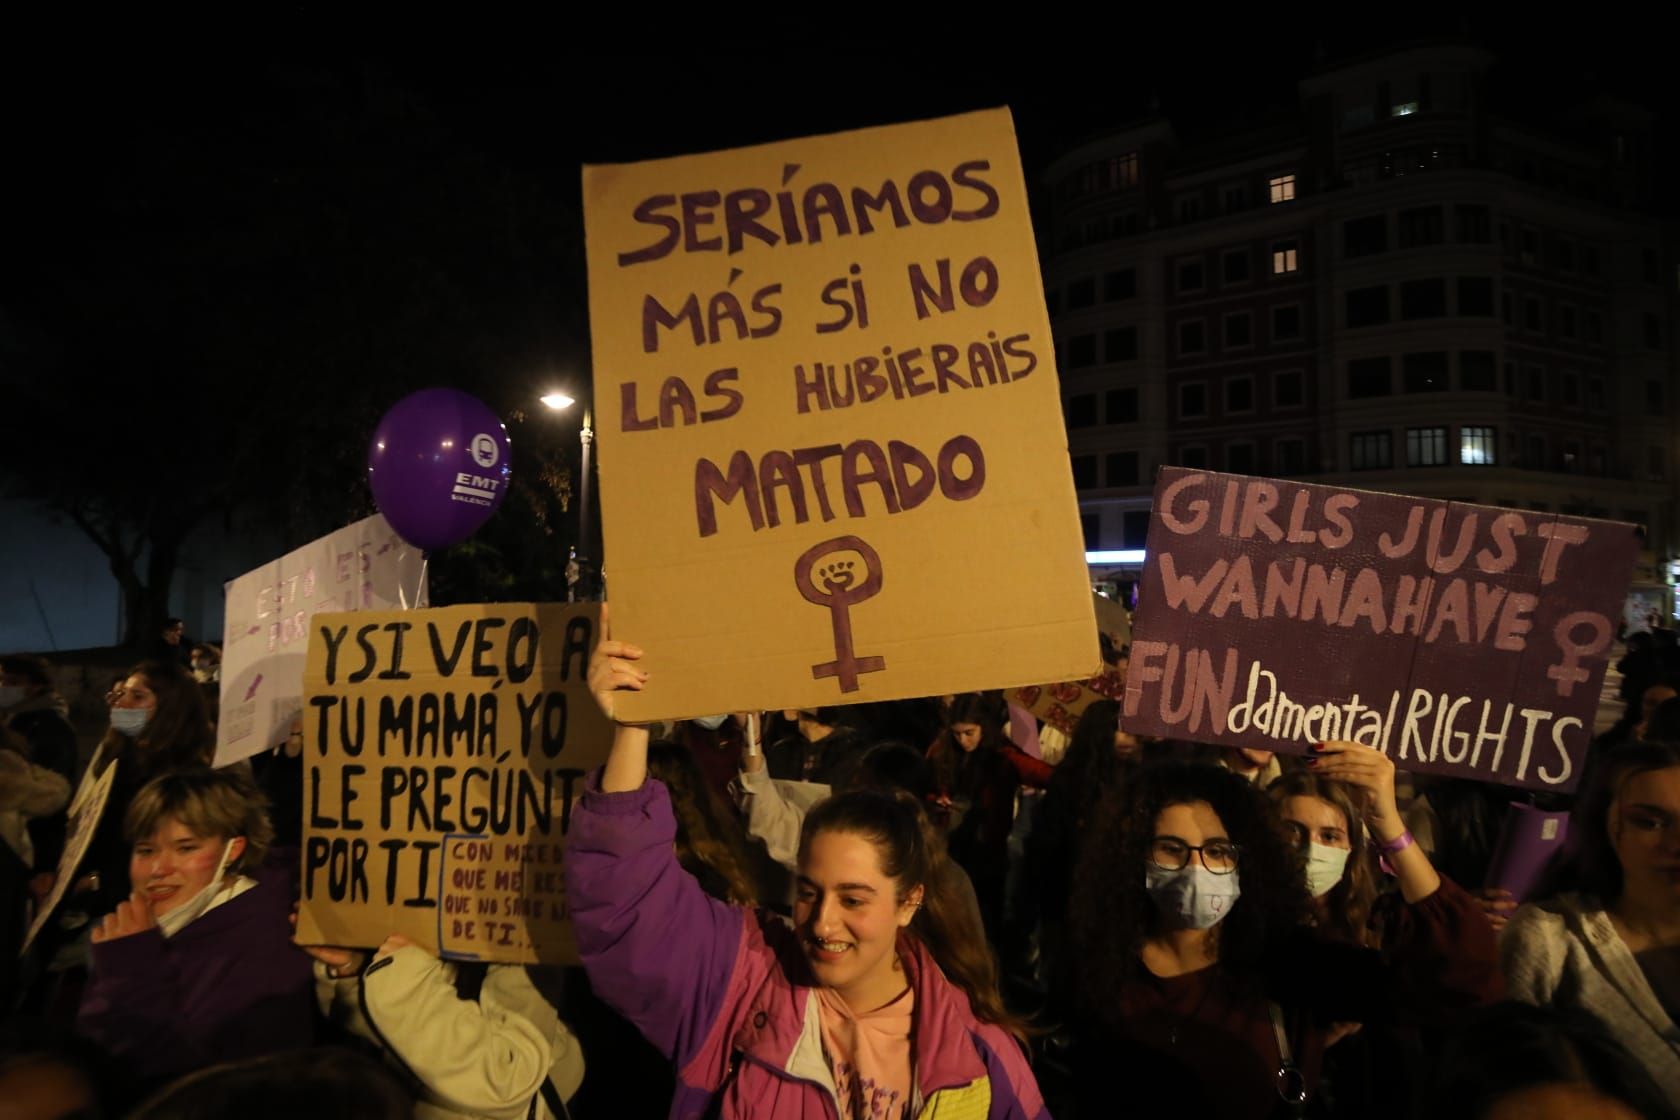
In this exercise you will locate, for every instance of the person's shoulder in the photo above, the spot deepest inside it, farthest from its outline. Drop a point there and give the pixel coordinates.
(1549, 921)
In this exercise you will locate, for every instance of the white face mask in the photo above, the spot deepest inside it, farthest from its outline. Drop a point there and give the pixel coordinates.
(710, 723)
(1191, 897)
(130, 721)
(177, 919)
(1324, 868)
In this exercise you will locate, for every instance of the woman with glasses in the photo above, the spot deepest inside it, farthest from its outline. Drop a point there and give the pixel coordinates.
(1203, 988)
(1606, 934)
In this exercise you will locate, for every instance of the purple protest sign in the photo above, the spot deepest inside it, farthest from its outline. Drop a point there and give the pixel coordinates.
(1459, 639)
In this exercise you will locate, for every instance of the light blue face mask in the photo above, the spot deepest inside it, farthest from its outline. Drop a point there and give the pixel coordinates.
(1192, 897)
(130, 721)
(710, 723)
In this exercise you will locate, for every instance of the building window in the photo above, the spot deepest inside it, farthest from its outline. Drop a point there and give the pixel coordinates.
(1286, 257)
(1477, 372)
(1426, 447)
(1535, 376)
(1650, 266)
(1528, 246)
(1364, 237)
(1370, 451)
(1475, 295)
(1190, 277)
(1120, 344)
(1192, 337)
(1656, 463)
(1089, 525)
(1595, 394)
(1654, 398)
(1652, 331)
(1423, 299)
(1424, 372)
(1239, 330)
(1532, 320)
(1123, 170)
(1239, 458)
(1233, 266)
(1404, 109)
(1122, 405)
(1566, 320)
(1188, 208)
(1287, 389)
(1233, 197)
(1535, 456)
(1122, 468)
(1081, 293)
(1421, 226)
(1291, 456)
(1239, 394)
(1084, 472)
(1475, 225)
(1286, 322)
(1505, 299)
(1366, 307)
(1192, 401)
(1282, 188)
(1476, 447)
(1368, 377)
(1592, 327)
(1193, 457)
(1082, 351)
(1134, 528)
(1082, 410)
(1119, 284)
(1589, 260)
(1563, 254)
(1569, 390)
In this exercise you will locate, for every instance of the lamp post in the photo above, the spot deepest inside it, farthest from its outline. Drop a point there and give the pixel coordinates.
(588, 585)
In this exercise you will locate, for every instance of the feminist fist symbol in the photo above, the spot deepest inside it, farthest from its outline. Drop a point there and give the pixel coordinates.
(840, 589)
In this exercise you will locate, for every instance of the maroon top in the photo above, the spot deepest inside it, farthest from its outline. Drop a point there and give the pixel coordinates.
(717, 753)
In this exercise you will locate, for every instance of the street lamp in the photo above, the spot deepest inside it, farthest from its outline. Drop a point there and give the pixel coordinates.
(588, 582)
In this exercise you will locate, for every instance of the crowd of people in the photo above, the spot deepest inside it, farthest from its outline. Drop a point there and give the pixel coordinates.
(935, 907)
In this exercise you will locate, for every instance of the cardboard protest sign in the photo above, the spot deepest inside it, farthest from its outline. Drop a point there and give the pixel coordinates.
(1061, 704)
(364, 566)
(442, 751)
(827, 391)
(85, 811)
(1460, 639)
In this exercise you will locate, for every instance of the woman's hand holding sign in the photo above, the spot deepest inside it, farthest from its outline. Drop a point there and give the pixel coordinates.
(1371, 773)
(612, 669)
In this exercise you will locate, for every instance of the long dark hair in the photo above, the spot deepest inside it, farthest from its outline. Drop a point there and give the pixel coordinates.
(912, 855)
(1347, 905)
(178, 734)
(711, 845)
(1092, 765)
(962, 772)
(1589, 862)
(1111, 914)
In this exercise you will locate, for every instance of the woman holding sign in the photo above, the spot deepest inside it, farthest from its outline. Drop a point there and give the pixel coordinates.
(1607, 937)
(196, 966)
(1204, 989)
(870, 1005)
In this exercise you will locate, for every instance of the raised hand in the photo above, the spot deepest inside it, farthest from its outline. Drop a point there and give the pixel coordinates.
(612, 669)
(130, 917)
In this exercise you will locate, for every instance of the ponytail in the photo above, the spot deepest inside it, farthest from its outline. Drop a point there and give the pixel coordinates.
(913, 853)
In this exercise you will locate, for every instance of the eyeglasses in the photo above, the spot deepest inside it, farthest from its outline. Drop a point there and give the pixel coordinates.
(1169, 853)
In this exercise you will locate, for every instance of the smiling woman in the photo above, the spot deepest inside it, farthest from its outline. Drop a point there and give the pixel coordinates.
(196, 966)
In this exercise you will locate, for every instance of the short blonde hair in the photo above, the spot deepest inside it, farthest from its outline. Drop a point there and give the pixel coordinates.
(211, 803)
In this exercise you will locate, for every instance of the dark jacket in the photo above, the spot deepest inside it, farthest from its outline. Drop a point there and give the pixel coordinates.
(229, 985)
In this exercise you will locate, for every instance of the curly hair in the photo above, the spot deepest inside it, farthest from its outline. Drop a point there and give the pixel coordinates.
(1111, 914)
(1347, 906)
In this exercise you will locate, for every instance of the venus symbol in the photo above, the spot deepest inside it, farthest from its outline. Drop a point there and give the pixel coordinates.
(839, 588)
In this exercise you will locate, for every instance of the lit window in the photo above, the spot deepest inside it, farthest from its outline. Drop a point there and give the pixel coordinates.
(1286, 257)
(1476, 447)
(1283, 188)
(1405, 109)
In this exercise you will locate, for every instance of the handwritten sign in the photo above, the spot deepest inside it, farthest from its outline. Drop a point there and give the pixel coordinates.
(826, 379)
(364, 566)
(86, 810)
(442, 751)
(1061, 704)
(1459, 639)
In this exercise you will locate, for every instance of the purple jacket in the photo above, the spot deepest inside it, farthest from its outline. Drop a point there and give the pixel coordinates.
(229, 985)
(725, 992)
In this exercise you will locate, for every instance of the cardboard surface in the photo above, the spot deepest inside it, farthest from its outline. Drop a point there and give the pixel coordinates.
(1460, 639)
(364, 566)
(832, 458)
(1061, 704)
(86, 810)
(442, 749)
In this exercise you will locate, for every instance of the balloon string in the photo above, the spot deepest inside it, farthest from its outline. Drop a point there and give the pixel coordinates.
(419, 587)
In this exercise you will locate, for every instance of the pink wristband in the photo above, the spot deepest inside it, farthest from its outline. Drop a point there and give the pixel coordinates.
(1399, 844)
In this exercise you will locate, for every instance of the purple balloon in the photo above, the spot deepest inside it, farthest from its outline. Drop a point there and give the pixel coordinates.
(439, 466)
